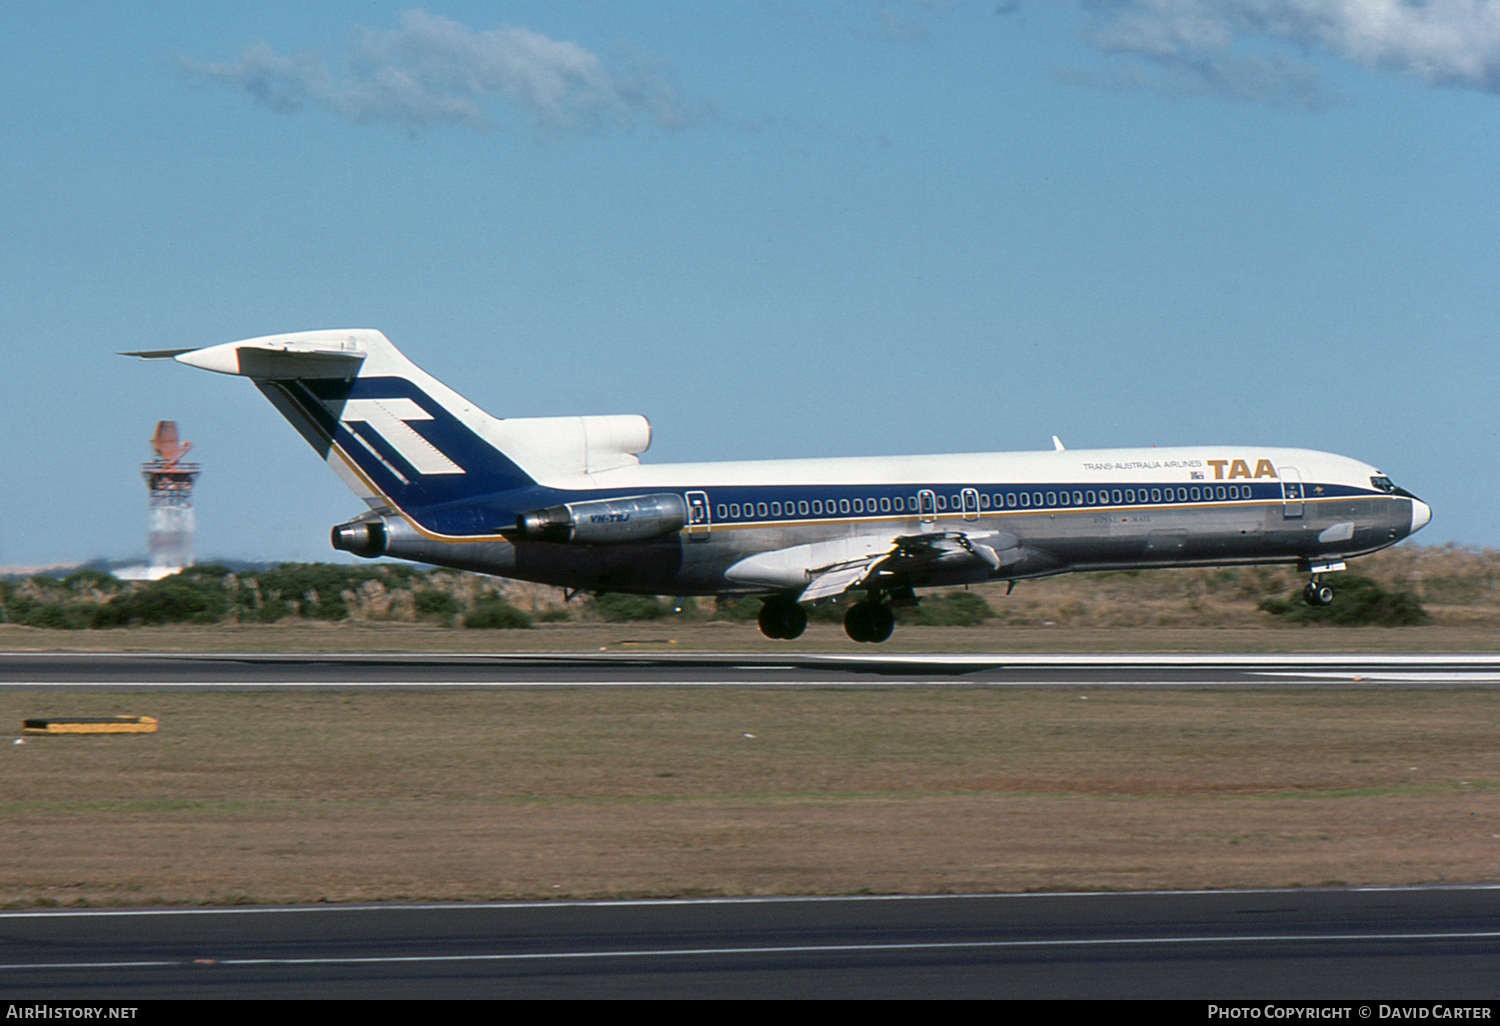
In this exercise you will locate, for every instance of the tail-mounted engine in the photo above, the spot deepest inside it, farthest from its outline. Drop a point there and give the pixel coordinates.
(605, 521)
(363, 537)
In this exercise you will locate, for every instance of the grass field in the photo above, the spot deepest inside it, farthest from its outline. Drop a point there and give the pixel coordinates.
(468, 795)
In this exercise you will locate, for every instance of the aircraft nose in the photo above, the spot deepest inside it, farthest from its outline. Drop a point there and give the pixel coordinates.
(1420, 514)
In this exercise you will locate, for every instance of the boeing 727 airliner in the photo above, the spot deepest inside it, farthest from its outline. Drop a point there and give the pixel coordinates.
(566, 501)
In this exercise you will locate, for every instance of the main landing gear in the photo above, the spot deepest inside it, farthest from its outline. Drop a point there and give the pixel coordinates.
(869, 621)
(782, 618)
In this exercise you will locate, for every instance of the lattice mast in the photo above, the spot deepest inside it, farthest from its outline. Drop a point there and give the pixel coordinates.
(171, 483)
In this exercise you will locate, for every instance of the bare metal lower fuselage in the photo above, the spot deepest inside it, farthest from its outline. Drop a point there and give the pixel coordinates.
(1054, 543)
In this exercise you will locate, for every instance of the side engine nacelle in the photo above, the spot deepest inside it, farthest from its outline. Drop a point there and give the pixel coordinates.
(606, 521)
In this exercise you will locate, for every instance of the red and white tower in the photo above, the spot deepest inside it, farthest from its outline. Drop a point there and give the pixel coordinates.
(171, 484)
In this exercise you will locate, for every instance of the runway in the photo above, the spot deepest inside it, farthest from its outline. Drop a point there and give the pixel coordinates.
(342, 670)
(1433, 944)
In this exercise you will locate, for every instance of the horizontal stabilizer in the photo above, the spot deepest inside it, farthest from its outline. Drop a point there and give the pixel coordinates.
(157, 354)
(308, 355)
(274, 359)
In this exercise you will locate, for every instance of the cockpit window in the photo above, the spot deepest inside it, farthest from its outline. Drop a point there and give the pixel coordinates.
(1385, 484)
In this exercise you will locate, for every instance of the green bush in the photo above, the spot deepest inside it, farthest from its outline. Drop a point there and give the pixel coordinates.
(271, 610)
(194, 596)
(739, 610)
(315, 590)
(87, 578)
(955, 609)
(617, 608)
(495, 614)
(72, 617)
(1358, 602)
(438, 605)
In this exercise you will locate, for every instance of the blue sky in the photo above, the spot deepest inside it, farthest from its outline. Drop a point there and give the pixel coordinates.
(774, 227)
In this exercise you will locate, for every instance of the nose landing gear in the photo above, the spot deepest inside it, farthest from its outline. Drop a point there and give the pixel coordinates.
(1317, 593)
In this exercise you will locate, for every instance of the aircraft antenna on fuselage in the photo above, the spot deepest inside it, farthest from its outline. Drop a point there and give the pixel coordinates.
(1057, 444)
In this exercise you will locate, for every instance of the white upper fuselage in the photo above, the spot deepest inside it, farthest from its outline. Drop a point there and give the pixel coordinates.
(1071, 466)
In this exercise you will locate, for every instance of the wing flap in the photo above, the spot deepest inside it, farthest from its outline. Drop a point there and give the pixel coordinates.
(839, 580)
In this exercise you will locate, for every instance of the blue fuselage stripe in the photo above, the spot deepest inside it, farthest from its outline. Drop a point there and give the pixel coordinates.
(766, 505)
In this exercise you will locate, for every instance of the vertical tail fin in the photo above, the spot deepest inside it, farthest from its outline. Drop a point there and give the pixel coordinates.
(403, 441)
(400, 439)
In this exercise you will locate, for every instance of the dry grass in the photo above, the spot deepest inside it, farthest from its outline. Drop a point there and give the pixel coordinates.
(464, 795)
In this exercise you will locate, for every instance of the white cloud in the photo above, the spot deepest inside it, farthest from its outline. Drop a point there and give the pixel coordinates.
(1260, 49)
(432, 71)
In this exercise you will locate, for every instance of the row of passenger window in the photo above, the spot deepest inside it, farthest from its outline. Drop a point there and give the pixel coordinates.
(983, 500)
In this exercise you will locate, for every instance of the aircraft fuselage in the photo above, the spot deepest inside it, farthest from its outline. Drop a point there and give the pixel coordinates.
(566, 501)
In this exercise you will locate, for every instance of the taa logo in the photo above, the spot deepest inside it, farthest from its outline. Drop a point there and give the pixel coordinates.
(390, 419)
(1240, 468)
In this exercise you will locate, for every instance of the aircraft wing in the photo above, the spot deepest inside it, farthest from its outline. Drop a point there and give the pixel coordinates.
(918, 553)
(825, 569)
